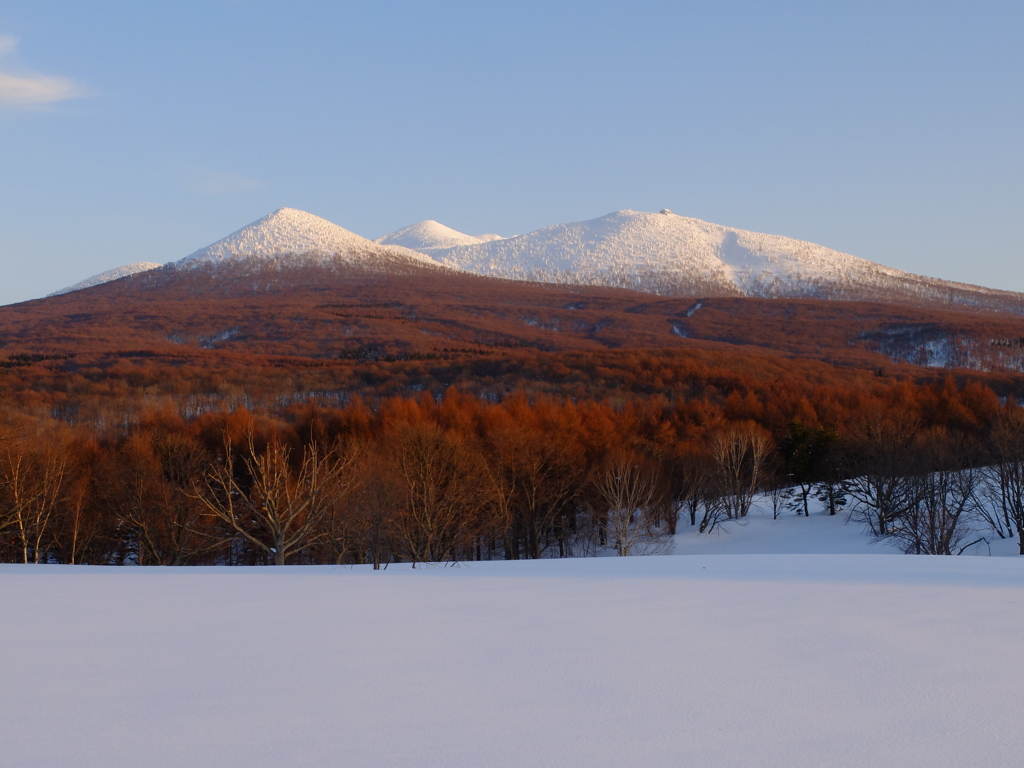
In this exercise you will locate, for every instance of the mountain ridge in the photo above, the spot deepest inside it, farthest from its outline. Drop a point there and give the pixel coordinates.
(656, 253)
(667, 254)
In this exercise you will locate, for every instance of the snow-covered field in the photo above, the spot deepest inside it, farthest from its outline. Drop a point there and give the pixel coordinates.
(699, 659)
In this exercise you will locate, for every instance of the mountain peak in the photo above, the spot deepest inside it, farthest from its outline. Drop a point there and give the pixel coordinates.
(430, 235)
(289, 232)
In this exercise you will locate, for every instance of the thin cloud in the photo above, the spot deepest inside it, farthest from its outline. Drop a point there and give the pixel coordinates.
(24, 88)
(214, 183)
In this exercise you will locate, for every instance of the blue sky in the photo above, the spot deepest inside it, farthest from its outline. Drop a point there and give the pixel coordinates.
(142, 131)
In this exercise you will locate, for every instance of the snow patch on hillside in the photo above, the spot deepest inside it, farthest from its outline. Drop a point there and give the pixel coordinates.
(110, 275)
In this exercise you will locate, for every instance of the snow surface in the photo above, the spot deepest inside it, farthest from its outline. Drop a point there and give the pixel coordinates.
(710, 660)
(429, 236)
(111, 274)
(290, 232)
(819, 534)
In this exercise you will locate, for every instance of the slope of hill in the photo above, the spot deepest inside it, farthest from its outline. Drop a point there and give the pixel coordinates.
(326, 308)
(677, 256)
(111, 274)
(245, 332)
(429, 236)
(291, 234)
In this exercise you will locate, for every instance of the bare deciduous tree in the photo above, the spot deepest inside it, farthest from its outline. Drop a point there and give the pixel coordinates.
(33, 483)
(1008, 449)
(545, 478)
(277, 508)
(740, 453)
(944, 500)
(440, 497)
(632, 489)
(883, 487)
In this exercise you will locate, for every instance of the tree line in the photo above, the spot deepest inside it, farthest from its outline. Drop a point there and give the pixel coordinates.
(932, 467)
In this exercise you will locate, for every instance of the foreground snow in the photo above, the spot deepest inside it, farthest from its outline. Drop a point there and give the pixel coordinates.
(728, 660)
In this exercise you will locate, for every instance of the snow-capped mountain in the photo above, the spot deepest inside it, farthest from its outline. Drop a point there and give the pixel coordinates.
(674, 255)
(111, 274)
(430, 236)
(659, 253)
(288, 232)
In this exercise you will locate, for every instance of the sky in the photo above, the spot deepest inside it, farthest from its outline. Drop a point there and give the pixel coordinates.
(143, 131)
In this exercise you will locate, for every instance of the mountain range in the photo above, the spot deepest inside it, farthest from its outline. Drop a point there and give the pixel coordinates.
(660, 253)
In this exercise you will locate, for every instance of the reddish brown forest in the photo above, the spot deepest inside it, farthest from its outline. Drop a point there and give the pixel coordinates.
(328, 415)
(420, 479)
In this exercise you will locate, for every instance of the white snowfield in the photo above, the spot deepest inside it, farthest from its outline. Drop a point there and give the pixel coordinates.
(766, 660)
(289, 232)
(110, 275)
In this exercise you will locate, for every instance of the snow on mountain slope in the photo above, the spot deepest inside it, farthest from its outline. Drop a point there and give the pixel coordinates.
(429, 236)
(111, 274)
(675, 255)
(291, 233)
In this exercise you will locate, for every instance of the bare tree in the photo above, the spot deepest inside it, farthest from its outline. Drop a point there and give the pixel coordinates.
(362, 526)
(33, 483)
(779, 495)
(716, 511)
(632, 489)
(278, 509)
(148, 484)
(1007, 444)
(883, 486)
(690, 476)
(498, 489)
(441, 500)
(944, 499)
(546, 479)
(78, 528)
(741, 453)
